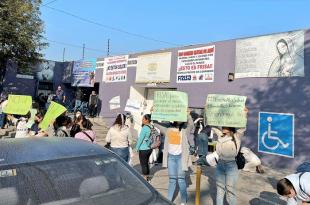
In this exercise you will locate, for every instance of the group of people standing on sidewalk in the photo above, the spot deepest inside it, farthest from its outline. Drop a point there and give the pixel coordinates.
(177, 153)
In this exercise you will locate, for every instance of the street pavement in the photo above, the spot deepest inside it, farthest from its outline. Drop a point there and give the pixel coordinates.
(253, 188)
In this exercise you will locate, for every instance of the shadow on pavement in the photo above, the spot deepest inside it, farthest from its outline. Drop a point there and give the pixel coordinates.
(267, 198)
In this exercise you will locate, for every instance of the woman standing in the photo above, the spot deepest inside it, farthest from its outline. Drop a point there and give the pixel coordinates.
(143, 145)
(177, 158)
(227, 148)
(120, 137)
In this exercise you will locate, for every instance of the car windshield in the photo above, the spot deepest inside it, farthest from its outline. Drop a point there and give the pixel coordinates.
(92, 180)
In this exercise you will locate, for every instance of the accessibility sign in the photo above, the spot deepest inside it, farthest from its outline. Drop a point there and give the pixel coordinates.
(276, 134)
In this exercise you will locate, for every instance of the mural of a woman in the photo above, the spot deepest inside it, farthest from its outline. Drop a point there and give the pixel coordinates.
(285, 64)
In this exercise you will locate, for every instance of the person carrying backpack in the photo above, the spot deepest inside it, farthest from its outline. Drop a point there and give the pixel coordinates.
(144, 146)
(296, 187)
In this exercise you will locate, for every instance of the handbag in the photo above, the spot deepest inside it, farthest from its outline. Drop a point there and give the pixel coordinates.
(240, 159)
(108, 145)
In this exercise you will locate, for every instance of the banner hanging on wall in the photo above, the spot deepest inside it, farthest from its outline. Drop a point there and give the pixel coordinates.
(84, 73)
(115, 69)
(226, 110)
(196, 65)
(279, 55)
(153, 68)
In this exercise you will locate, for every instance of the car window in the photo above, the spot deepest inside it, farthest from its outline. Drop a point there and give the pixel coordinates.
(94, 180)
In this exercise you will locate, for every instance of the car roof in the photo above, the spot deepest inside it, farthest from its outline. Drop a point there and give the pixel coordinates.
(35, 149)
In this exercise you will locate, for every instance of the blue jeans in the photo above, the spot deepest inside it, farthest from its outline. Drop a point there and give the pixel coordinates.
(202, 143)
(226, 182)
(122, 152)
(176, 174)
(77, 105)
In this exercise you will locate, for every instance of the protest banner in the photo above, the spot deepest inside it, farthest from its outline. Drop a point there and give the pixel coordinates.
(133, 106)
(115, 103)
(54, 110)
(196, 65)
(115, 69)
(84, 73)
(170, 106)
(226, 110)
(18, 104)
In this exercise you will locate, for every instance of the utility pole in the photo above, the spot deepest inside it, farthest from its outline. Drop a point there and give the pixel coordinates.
(108, 52)
(63, 55)
(83, 51)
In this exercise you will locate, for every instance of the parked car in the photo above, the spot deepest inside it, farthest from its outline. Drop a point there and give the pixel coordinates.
(56, 171)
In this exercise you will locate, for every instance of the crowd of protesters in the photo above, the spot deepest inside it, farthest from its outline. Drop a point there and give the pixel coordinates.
(28, 125)
(179, 144)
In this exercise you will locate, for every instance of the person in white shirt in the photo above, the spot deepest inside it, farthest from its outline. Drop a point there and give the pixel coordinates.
(253, 163)
(22, 130)
(119, 137)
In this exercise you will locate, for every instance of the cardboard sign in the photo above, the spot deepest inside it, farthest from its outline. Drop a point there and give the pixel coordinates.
(54, 110)
(18, 104)
(170, 106)
(226, 110)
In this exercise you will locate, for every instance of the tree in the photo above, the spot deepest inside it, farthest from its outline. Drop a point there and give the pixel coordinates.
(21, 34)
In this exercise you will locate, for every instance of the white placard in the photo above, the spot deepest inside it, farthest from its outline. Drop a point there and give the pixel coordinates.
(115, 103)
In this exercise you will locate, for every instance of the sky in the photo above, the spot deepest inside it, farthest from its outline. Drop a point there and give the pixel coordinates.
(136, 26)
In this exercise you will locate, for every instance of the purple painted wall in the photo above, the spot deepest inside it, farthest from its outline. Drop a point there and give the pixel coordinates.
(282, 95)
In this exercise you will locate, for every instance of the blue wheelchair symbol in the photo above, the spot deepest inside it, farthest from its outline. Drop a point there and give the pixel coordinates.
(276, 134)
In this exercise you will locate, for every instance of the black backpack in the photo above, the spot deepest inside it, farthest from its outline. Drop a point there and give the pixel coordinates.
(302, 169)
(240, 159)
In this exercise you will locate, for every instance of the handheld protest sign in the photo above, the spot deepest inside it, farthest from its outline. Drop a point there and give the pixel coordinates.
(226, 110)
(170, 106)
(54, 110)
(18, 104)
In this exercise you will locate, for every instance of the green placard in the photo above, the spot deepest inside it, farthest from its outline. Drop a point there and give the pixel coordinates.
(54, 110)
(226, 110)
(18, 104)
(170, 106)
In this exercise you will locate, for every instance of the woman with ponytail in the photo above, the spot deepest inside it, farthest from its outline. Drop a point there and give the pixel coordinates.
(119, 137)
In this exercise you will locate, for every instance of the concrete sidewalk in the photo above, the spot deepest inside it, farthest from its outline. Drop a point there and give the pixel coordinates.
(253, 188)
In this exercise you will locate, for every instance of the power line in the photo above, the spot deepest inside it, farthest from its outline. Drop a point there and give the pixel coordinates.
(111, 27)
(50, 2)
(74, 45)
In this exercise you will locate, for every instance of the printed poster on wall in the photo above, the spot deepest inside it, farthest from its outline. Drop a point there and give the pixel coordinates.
(279, 55)
(84, 73)
(115, 69)
(153, 68)
(196, 65)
